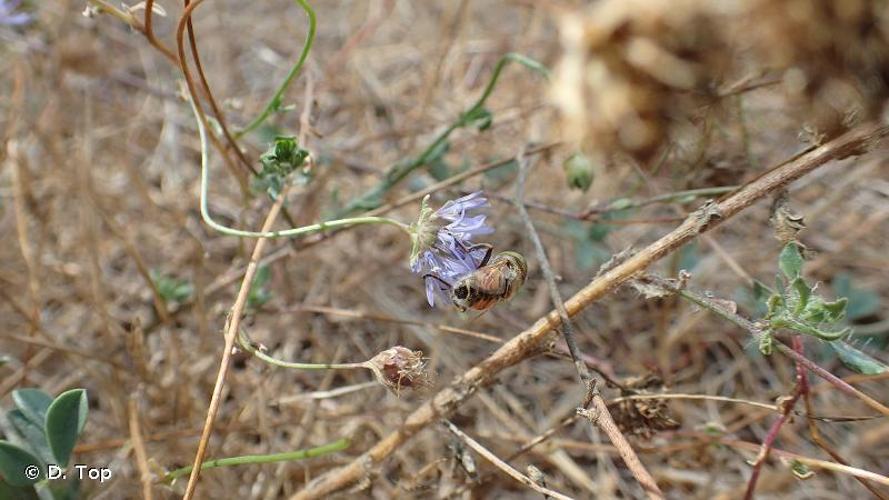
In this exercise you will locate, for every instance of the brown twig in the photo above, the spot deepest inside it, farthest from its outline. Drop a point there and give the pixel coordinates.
(220, 117)
(450, 398)
(231, 334)
(602, 416)
(139, 448)
(500, 464)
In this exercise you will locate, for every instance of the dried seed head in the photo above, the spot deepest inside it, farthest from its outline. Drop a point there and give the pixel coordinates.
(644, 417)
(400, 367)
(785, 221)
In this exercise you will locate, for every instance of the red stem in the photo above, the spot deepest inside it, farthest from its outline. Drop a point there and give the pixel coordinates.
(802, 386)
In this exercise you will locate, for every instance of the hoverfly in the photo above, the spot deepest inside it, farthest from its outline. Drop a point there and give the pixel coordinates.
(495, 280)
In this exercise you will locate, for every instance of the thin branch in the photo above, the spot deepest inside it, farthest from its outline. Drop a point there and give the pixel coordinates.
(603, 417)
(526, 343)
(139, 448)
(231, 334)
(811, 462)
(500, 464)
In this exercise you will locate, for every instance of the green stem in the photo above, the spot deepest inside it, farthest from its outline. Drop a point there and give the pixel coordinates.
(248, 345)
(318, 451)
(287, 233)
(373, 198)
(275, 102)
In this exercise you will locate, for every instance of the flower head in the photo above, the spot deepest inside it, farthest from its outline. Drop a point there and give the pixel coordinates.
(442, 242)
(8, 17)
(400, 367)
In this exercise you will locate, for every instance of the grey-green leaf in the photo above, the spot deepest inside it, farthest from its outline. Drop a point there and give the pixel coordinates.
(791, 261)
(32, 434)
(64, 422)
(15, 463)
(33, 403)
(858, 360)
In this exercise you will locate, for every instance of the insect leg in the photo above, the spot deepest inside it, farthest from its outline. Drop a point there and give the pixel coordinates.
(488, 250)
(430, 275)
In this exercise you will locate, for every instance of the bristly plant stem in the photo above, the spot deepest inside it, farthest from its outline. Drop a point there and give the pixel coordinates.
(752, 328)
(373, 198)
(602, 415)
(275, 101)
(287, 233)
(527, 343)
(338, 445)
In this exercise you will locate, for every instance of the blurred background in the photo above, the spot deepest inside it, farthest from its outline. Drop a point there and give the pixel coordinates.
(109, 279)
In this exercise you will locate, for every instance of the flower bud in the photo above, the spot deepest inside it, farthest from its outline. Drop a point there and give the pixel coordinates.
(579, 171)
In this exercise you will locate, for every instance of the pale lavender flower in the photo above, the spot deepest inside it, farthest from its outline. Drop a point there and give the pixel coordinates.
(8, 17)
(442, 241)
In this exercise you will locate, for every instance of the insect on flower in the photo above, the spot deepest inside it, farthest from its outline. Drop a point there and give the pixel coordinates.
(442, 243)
(490, 283)
(452, 266)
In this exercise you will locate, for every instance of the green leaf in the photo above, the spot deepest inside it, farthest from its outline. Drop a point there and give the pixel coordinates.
(33, 404)
(836, 310)
(857, 360)
(14, 462)
(775, 306)
(791, 261)
(620, 204)
(280, 160)
(785, 321)
(31, 433)
(803, 293)
(479, 117)
(64, 422)
(800, 470)
(171, 289)
(258, 294)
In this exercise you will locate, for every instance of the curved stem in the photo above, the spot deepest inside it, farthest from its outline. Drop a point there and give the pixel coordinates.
(373, 198)
(509, 57)
(318, 451)
(275, 102)
(248, 346)
(287, 233)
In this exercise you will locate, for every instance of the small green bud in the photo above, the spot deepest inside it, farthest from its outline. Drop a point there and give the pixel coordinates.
(766, 343)
(800, 470)
(579, 171)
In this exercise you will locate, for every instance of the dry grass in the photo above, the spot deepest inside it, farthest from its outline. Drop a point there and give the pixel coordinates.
(99, 189)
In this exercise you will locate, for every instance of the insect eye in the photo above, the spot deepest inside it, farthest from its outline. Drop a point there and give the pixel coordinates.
(462, 292)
